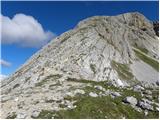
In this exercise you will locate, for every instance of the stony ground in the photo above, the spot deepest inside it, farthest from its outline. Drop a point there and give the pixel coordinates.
(83, 99)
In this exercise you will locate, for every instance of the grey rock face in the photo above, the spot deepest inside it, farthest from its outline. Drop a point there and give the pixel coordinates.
(88, 50)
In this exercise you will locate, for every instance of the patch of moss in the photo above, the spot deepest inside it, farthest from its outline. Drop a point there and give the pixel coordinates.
(51, 77)
(62, 105)
(147, 60)
(12, 116)
(46, 114)
(101, 83)
(122, 70)
(144, 50)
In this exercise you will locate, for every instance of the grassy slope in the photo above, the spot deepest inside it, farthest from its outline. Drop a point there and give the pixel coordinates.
(147, 59)
(99, 107)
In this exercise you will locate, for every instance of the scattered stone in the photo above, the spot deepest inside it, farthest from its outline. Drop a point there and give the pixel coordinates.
(115, 94)
(137, 108)
(79, 91)
(89, 85)
(149, 97)
(92, 94)
(146, 112)
(157, 104)
(21, 115)
(138, 88)
(98, 87)
(147, 92)
(131, 100)
(16, 99)
(119, 83)
(142, 94)
(70, 94)
(145, 104)
(157, 108)
(35, 113)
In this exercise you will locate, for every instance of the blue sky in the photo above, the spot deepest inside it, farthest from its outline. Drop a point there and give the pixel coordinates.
(58, 17)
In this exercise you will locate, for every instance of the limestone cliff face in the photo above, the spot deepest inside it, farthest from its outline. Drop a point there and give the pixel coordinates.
(100, 48)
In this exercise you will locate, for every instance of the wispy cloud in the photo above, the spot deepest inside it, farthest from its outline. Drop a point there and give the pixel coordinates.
(2, 77)
(5, 63)
(24, 30)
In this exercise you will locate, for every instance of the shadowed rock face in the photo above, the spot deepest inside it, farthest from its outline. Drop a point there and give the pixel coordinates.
(156, 27)
(100, 48)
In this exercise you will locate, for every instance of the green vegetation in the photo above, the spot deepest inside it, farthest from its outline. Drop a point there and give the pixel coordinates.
(102, 83)
(12, 116)
(122, 70)
(97, 108)
(93, 68)
(153, 63)
(144, 50)
(48, 78)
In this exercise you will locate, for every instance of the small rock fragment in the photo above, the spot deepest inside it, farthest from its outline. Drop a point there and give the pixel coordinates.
(92, 94)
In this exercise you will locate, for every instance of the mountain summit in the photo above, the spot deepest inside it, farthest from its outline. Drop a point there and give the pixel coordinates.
(100, 57)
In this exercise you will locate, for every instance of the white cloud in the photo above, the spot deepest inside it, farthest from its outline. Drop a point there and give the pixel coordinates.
(2, 77)
(24, 30)
(5, 63)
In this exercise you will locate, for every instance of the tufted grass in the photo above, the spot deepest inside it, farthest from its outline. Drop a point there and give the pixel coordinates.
(147, 60)
(122, 70)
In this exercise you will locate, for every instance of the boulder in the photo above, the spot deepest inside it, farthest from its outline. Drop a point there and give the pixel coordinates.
(35, 113)
(145, 104)
(21, 115)
(131, 100)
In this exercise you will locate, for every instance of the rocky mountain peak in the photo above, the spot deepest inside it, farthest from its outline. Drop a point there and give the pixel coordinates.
(117, 50)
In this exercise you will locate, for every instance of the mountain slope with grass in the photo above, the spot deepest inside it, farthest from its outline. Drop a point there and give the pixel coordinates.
(106, 67)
